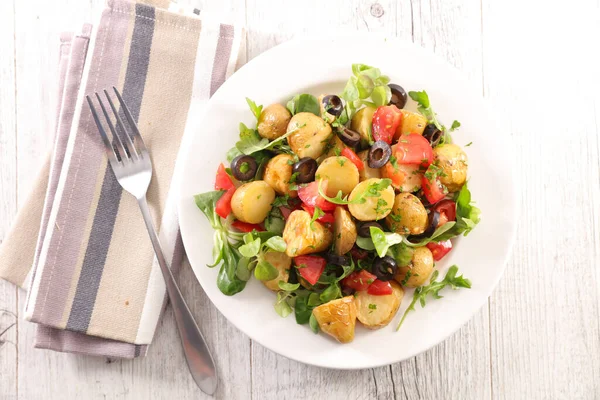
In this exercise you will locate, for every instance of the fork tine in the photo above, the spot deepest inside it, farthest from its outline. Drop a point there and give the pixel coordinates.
(122, 148)
(110, 151)
(136, 132)
(131, 149)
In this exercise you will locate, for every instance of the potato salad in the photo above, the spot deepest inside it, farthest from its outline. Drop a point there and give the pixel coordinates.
(339, 203)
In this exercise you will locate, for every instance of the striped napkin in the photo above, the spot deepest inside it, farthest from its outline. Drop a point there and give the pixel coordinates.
(85, 256)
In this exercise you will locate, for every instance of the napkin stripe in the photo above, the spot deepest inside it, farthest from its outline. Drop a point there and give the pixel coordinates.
(47, 297)
(110, 197)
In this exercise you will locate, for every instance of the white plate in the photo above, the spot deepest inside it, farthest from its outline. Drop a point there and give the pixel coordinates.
(323, 66)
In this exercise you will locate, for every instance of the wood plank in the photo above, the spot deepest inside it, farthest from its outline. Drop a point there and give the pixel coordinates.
(8, 203)
(545, 313)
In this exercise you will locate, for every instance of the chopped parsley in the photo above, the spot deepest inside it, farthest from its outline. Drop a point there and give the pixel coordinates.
(468, 144)
(372, 306)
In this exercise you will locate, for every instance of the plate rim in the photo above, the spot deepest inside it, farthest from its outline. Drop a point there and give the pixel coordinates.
(513, 178)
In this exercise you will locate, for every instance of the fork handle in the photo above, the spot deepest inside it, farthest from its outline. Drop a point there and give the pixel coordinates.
(197, 354)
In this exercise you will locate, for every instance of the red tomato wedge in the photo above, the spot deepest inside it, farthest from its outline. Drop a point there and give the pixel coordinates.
(223, 206)
(326, 218)
(246, 227)
(414, 149)
(359, 280)
(385, 122)
(350, 155)
(223, 181)
(380, 288)
(395, 174)
(433, 190)
(310, 267)
(310, 196)
(447, 210)
(439, 250)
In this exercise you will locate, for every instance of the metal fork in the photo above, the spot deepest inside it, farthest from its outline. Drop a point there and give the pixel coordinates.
(131, 165)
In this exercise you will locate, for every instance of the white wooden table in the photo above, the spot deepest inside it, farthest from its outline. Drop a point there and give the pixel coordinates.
(538, 337)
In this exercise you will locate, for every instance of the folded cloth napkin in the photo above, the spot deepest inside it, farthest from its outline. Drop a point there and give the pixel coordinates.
(95, 287)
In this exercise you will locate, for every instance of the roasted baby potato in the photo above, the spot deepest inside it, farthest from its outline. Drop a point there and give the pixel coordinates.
(340, 173)
(344, 231)
(334, 147)
(273, 121)
(453, 161)
(278, 173)
(367, 172)
(419, 270)
(408, 217)
(282, 262)
(375, 312)
(251, 202)
(375, 207)
(302, 237)
(311, 139)
(337, 318)
(412, 122)
(362, 123)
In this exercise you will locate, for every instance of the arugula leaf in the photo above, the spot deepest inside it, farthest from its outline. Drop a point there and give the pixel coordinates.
(250, 249)
(233, 153)
(276, 243)
(424, 107)
(264, 271)
(420, 97)
(318, 213)
(314, 299)
(403, 254)
(281, 201)
(289, 287)
(332, 292)
(381, 95)
(252, 143)
(434, 287)
(227, 280)
(274, 224)
(365, 243)
(312, 322)
(365, 87)
(440, 232)
(282, 307)
(243, 269)
(302, 310)
(304, 103)
(383, 240)
(256, 110)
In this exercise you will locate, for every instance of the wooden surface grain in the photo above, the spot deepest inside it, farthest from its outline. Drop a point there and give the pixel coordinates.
(538, 337)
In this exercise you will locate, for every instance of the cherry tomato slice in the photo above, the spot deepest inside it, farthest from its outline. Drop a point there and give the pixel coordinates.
(310, 196)
(246, 227)
(380, 288)
(359, 280)
(440, 249)
(447, 210)
(310, 267)
(385, 122)
(326, 218)
(433, 191)
(350, 155)
(223, 181)
(223, 206)
(394, 173)
(414, 149)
